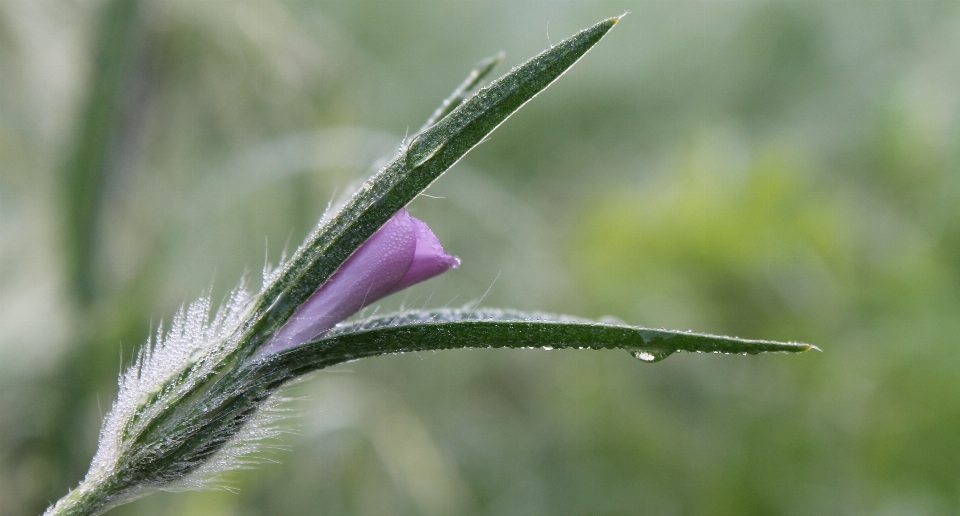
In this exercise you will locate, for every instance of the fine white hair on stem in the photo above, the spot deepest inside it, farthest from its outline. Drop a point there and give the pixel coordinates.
(168, 367)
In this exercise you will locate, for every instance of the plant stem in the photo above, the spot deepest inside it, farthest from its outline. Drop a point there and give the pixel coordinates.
(88, 499)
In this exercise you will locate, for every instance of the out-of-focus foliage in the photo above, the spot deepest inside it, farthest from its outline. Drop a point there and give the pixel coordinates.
(768, 169)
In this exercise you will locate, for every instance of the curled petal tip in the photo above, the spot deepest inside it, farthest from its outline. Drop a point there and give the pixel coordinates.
(429, 258)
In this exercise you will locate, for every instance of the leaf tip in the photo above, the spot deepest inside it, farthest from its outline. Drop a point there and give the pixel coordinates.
(486, 65)
(603, 27)
(803, 347)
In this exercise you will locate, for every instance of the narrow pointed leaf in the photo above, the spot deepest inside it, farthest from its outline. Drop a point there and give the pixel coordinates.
(452, 329)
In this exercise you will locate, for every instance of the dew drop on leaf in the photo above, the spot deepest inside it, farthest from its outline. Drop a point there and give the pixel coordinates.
(650, 355)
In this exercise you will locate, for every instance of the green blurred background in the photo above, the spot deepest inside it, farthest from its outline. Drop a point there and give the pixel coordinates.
(776, 170)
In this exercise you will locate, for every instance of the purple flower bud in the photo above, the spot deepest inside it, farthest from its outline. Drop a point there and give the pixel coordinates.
(402, 253)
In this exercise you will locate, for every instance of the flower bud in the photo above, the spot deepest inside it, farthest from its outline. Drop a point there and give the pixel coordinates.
(400, 254)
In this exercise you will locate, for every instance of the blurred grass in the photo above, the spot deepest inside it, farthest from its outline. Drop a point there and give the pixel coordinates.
(778, 170)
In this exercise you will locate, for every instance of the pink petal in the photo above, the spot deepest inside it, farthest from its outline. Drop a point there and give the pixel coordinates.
(401, 253)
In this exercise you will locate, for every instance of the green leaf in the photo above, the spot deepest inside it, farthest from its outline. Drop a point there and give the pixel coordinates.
(453, 329)
(430, 154)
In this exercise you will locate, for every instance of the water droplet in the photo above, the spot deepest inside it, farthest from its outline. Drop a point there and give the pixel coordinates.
(646, 356)
(650, 355)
